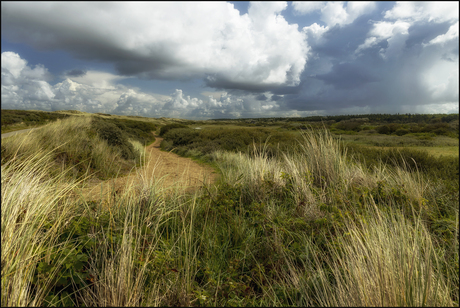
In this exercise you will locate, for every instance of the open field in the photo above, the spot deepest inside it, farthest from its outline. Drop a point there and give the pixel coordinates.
(99, 211)
(435, 151)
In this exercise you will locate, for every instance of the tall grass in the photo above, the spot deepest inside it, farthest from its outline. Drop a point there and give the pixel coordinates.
(382, 261)
(75, 145)
(311, 227)
(30, 200)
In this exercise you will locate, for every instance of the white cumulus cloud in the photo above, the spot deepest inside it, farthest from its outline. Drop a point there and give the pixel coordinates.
(436, 11)
(166, 40)
(335, 12)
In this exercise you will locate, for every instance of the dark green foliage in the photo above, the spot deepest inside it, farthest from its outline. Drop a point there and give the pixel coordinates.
(71, 261)
(352, 124)
(402, 131)
(435, 127)
(114, 136)
(117, 133)
(449, 118)
(166, 128)
(349, 125)
(207, 141)
(137, 130)
(388, 129)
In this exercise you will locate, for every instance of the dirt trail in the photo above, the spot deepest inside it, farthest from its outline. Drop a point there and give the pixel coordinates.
(166, 170)
(16, 132)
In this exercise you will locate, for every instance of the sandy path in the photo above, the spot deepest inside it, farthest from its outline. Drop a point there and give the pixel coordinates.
(164, 169)
(16, 132)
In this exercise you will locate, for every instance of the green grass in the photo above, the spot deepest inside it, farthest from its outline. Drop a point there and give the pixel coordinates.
(13, 120)
(305, 225)
(434, 151)
(89, 146)
(401, 141)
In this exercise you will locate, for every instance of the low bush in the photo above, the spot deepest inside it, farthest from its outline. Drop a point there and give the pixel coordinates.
(206, 141)
(167, 127)
(402, 131)
(388, 128)
(141, 131)
(349, 125)
(114, 136)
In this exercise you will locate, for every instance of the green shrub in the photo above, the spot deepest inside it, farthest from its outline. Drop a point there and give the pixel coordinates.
(401, 131)
(388, 128)
(137, 130)
(166, 128)
(114, 136)
(349, 125)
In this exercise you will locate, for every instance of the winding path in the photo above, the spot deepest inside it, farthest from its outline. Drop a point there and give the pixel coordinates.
(165, 170)
(16, 132)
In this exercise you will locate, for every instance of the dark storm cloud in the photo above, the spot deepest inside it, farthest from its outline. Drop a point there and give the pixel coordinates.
(341, 41)
(170, 41)
(386, 77)
(261, 97)
(219, 82)
(276, 98)
(76, 73)
(423, 33)
(347, 75)
(375, 59)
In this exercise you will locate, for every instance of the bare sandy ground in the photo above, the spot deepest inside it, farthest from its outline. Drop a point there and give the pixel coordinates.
(166, 171)
(16, 132)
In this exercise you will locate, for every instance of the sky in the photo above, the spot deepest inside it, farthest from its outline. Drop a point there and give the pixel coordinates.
(210, 60)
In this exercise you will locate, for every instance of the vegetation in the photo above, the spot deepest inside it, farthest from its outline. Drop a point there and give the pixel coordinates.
(85, 145)
(298, 218)
(21, 119)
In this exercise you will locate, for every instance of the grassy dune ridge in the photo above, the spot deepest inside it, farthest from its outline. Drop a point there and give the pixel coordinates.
(305, 225)
(86, 145)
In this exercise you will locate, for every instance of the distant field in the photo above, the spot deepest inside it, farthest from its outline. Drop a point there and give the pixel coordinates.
(400, 141)
(435, 151)
(230, 126)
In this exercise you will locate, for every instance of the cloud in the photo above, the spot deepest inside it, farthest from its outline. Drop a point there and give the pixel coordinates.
(22, 85)
(307, 7)
(99, 92)
(75, 73)
(27, 88)
(13, 63)
(451, 34)
(405, 62)
(347, 75)
(334, 12)
(434, 11)
(97, 79)
(371, 57)
(168, 41)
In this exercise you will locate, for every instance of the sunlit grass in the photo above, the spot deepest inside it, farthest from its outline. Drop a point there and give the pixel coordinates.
(310, 227)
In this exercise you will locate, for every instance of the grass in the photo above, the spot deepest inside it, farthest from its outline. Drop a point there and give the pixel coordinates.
(434, 151)
(401, 141)
(310, 225)
(13, 120)
(87, 145)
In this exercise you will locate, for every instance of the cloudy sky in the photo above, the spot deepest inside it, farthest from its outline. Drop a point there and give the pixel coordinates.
(201, 60)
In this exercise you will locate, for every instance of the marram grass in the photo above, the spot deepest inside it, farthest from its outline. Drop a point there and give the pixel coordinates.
(311, 227)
